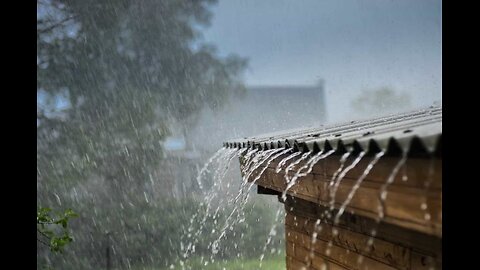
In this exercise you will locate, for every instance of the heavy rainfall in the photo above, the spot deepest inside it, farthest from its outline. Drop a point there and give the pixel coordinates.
(136, 98)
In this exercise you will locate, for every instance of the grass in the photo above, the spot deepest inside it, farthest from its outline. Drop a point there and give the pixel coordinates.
(271, 263)
(267, 264)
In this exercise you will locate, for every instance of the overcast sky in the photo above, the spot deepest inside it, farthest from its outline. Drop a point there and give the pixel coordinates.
(352, 45)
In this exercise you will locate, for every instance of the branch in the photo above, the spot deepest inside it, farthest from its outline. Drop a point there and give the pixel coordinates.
(42, 233)
(42, 222)
(53, 26)
(48, 245)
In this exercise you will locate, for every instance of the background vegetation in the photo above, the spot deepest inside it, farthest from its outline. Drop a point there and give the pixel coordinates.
(113, 78)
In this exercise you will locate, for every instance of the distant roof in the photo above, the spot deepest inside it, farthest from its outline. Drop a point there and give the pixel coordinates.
(415, 132)
(286, 87)
(275, 90)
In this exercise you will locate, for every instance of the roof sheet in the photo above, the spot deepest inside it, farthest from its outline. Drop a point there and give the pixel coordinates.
(415, 132)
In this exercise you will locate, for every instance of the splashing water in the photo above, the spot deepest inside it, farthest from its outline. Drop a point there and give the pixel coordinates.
(309, 166)
(265, 156)
(244, 199)
(343, 159)
(207, 164)
(289, 168)
(251, 164)
(265, 168)
(383, 190)
(381, 206)
(295, 163)
(312, 163)
(352, 192)
(223, 161)
(271, 234)
(283, 161)
(317, 228)
(249, 159)
(424, 205)
(357, 184)
(341, 176)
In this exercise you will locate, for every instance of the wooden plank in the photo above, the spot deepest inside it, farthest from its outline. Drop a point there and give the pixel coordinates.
(412, 239)
(416, 171)
(293, 264)
(383, 251)
(303, 257)
(402, 207)
(398, 204)
(424, 262)
(336, 254)
(311, 261)
(409, 236)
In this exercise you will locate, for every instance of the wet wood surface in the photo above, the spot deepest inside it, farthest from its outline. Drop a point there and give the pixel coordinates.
(413, 201)
(392, 247)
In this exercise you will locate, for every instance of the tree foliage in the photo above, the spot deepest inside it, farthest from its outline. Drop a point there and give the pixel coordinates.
(380, 100)
(112, 75)
(52, 230)
(125, 68)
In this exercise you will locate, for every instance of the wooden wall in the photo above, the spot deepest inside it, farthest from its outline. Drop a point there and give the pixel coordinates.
(393, 247)
(403, 206)
(409, 236)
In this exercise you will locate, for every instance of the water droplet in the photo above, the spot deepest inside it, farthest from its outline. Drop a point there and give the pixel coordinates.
(360, 259)
(383, 195)
(423, 206)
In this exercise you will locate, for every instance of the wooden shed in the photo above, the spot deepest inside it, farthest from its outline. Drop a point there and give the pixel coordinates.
(368, 194)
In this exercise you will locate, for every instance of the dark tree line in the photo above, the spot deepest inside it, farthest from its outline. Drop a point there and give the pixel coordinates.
(111, 76)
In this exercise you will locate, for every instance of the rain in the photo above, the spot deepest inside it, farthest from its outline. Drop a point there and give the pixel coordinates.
(135, 100)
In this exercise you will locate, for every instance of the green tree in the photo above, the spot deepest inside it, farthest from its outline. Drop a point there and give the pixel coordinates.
(127, 70)
(53, 231)
(111, 75)
(380, 101)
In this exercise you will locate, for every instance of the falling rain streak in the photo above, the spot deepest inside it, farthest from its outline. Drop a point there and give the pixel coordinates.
(133, 98)
(357, 185)
(254, 163)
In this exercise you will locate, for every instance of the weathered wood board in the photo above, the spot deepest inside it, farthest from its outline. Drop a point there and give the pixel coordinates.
(416, 185)
(392, 247)
(408, 237)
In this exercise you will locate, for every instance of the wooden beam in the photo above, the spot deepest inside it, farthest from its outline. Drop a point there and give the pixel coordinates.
(266, 191)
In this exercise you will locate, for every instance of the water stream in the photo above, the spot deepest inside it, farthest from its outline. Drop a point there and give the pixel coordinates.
(272, 233)
(424, 206)
(289, 168)
(253, 165)
(223, 160)
(357, 184)
(341, 176)
(309, 166)
(382, 196)
(262, 157)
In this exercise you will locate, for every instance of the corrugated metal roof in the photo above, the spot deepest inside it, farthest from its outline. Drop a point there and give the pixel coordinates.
(414, 132)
